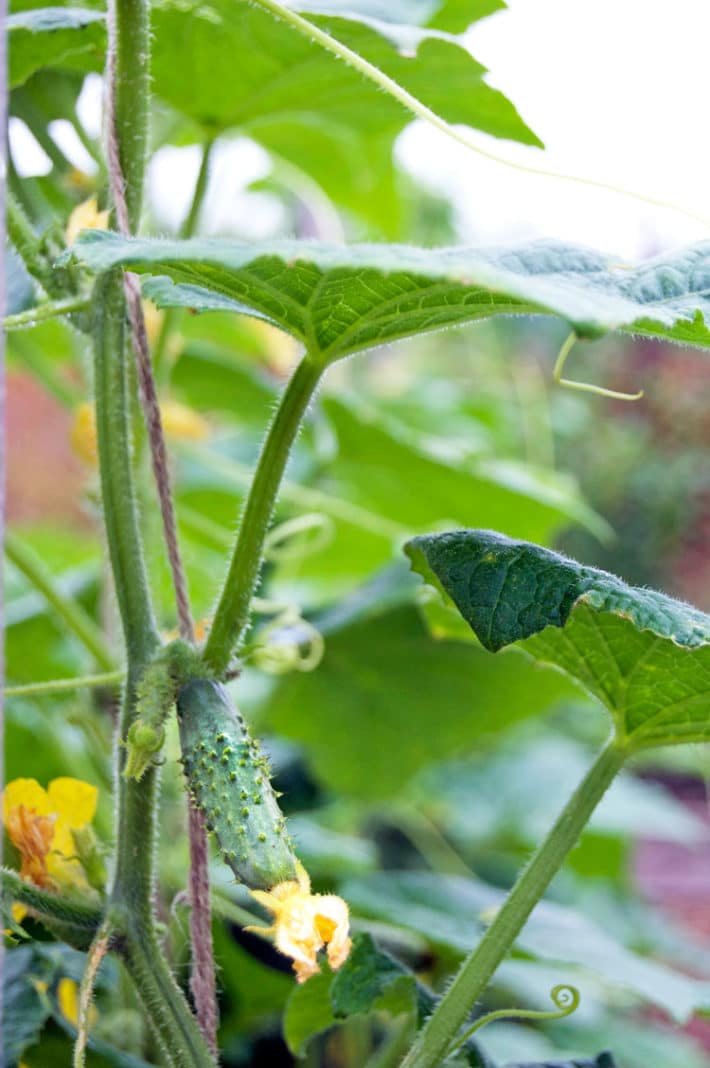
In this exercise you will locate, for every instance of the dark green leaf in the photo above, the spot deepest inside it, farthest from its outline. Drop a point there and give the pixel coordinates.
(645, 656)
(24, 1012)
(342, 299)
(69, 37)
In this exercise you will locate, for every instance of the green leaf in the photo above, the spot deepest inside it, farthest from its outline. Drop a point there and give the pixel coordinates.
(503, 789)
(452, 913)
(343, 299)
(454, 16)
(308, 1013)
(381, 673)
(645, 656)
(68, 37)
(370, 980)
(311, 109)
(24, 1012)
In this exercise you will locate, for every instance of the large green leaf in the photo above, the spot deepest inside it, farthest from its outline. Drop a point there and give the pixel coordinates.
(342, 299)
(376, 711)
(645, 656)
(308, 107)
(452, 912)
(68, 37)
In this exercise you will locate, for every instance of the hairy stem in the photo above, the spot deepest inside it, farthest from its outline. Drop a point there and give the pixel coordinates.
(117, 487)
(52, 686)
(79, 622)
(50, 310)
(166, 1009)
(50, 907)
(432, 1044)
(232, 613)
(128, 75)
(22, 234)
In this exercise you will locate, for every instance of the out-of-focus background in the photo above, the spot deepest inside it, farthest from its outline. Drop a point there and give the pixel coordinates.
(418, 771)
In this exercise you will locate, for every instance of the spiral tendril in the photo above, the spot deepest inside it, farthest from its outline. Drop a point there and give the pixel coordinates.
(565, 997)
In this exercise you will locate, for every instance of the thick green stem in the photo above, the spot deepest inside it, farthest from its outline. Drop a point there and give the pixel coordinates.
(167, 1011)
(429, 1050)
(117, 489)
(50, 907)
(232, 612)
(78, 621)
(129, 65)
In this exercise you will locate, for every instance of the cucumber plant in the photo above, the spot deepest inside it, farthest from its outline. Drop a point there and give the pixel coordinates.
(326, 89)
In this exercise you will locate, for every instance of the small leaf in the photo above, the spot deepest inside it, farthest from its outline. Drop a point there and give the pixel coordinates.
(369, 980)
(645, 656)
(308, 1013)
(343, 299)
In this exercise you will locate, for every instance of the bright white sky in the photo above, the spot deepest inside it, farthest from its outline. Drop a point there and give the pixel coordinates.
(618, 90)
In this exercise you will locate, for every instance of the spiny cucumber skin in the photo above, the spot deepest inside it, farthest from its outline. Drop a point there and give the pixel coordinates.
(228, 779)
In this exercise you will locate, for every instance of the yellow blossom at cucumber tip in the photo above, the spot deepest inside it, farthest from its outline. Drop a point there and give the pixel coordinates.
(85, 216)
(305, 923)
(39, 824)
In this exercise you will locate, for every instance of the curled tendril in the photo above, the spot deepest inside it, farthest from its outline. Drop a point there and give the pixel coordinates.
(288, 643)
(586, 387)
(299, 537)
(565, 997)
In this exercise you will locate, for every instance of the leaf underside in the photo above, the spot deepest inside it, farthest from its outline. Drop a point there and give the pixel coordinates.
(645, 656)
(342, 299)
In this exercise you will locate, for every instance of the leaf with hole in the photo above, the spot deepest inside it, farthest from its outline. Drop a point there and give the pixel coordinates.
(645, 656)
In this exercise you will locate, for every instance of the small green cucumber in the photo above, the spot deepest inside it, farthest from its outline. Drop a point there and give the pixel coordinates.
(229, 780)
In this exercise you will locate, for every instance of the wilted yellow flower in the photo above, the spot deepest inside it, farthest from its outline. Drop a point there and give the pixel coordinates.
(85, 216)
(68, 999)
(40, 822)
(304, 923)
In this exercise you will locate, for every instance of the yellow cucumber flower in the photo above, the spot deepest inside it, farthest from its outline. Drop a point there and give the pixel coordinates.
(85, 216)
(39, 824)
(305, 923)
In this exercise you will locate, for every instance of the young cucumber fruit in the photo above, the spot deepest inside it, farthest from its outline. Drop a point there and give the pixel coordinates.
(228, 779)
